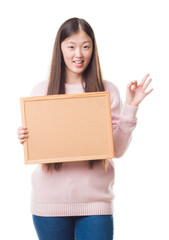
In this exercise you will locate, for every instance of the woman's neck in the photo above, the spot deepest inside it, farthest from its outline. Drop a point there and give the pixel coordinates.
(73, 78)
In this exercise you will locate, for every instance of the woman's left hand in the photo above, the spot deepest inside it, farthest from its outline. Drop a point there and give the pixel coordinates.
(136, 93)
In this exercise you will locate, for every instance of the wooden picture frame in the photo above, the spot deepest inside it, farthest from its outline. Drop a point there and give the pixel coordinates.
(67, 127)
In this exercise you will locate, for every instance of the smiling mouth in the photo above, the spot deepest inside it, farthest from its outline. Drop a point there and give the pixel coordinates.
(78, 62)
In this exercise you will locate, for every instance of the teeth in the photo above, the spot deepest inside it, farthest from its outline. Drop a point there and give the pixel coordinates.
(78, 61)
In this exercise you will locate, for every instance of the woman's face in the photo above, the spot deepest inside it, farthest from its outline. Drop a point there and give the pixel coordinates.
(77, 51)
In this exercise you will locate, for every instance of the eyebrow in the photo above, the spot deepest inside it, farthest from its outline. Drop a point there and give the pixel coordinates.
(75, 43)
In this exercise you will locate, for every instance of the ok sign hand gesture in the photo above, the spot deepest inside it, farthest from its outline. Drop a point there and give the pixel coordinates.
(136, 93)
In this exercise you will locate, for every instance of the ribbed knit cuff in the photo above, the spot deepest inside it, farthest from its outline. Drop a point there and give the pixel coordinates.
(130, 111)
(71, 209)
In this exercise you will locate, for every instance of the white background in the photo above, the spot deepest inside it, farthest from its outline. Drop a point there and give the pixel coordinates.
(133, 40)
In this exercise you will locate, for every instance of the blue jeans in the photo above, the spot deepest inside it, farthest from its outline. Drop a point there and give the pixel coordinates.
(95, 227)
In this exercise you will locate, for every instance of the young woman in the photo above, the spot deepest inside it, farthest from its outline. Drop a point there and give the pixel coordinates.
(74, 200)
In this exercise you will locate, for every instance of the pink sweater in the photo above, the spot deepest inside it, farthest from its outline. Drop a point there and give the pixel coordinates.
(76, 189)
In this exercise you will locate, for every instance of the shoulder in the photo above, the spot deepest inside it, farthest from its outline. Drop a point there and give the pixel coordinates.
(40, 89)
(115, 99)
(111, 87)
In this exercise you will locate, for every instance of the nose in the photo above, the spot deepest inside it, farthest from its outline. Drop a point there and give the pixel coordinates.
(78, 52)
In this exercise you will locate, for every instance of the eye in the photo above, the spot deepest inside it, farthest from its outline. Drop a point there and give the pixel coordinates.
(71, 47)
(86, 47)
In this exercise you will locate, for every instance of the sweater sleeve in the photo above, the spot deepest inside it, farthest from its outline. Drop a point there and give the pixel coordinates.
(123, 120)
(40, 89)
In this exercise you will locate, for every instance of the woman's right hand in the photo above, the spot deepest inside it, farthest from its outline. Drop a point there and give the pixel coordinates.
(22, 134)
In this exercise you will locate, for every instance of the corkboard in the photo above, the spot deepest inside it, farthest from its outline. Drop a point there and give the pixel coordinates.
(67, 127)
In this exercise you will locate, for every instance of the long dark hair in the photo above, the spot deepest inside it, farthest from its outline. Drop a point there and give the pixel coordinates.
(92, 75)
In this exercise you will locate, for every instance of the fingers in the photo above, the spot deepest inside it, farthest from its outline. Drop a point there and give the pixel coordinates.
(149, 91)
(22, 130)
(147, 84)
(22, 134)
(22, 141)
(144, 79)
(132, 85)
